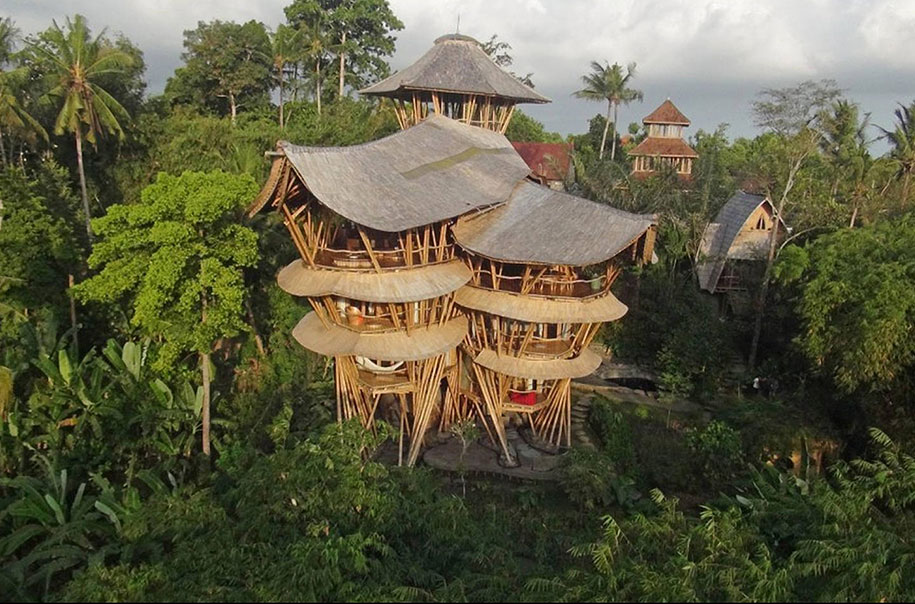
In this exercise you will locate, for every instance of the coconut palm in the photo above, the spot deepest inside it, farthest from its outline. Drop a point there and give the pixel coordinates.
(286, 48)
(844, 141)
(315, 42)
(74, 63)
(13, 117)
(902, 139)
(608, 83)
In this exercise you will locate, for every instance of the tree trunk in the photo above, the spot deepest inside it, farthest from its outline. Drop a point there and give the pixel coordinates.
(905, 188)
(2, 150)
(258, 340)
(854, 216)
(770, 260)
(616, 108)
(342, 63)
(282, 124)
(82, 179)
(205, 409)
(603, 140)
(232, 107)
(73, 313)
(318, 84)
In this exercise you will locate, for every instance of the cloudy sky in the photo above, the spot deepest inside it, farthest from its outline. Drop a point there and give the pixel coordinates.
(710, 56)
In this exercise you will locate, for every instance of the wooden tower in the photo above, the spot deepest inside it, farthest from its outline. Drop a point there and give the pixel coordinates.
(457, 79)
(377, 260)
(664, 145)
(542, 266)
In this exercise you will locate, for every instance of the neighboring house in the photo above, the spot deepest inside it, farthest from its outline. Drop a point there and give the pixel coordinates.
(550, 163)
(734, 247)
(664, 144)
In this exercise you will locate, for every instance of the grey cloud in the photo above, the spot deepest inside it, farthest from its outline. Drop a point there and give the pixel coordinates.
(710, 56)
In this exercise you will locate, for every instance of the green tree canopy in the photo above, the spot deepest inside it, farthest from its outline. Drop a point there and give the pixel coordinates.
(359, 31)
(176, 258)
(858, 304)
(227, 66)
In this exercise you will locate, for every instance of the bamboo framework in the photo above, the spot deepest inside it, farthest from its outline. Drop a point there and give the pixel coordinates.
(444, 285)
(546, 403)
(414, 389)
(489, 112)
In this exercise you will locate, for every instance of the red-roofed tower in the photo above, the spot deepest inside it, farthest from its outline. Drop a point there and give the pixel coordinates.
(664, 144)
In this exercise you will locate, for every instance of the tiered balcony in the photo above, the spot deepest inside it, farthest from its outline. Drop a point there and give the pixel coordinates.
(549, 285)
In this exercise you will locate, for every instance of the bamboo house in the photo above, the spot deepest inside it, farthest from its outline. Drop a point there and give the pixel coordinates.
(444, 283)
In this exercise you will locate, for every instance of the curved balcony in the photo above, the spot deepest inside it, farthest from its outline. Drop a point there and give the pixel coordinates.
(406, 285)
(540, 310)
(580, 366)
(548, 285)
(330, 339)
(363, 250)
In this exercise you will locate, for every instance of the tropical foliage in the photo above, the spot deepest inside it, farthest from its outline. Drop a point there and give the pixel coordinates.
(125, 350)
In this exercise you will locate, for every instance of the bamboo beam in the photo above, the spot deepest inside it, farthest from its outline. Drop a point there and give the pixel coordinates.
(368, 248)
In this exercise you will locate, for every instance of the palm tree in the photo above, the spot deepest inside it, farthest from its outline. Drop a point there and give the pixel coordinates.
(286, 44)
(902, 138)
(74, 63)
(607, 83)
(13, 118)
(315, 43)
(844, 140)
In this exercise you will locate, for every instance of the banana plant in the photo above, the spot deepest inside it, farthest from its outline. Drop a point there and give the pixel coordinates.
(52, 526)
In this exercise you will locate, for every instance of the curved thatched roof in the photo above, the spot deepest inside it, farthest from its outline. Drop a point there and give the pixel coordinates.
(404, 285)
(580, 366)
(434, 171)
(541, 226)
(720, 234)
(540, 310)
(455, 64)
(422, 343)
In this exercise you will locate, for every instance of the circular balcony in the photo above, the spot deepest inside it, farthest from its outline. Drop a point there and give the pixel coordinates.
(540, 310)
(406, 285)
(331, 339)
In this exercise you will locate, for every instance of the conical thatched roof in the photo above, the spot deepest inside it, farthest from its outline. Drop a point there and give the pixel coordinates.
(455, 64)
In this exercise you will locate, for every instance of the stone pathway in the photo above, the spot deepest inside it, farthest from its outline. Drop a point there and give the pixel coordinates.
(581, 437)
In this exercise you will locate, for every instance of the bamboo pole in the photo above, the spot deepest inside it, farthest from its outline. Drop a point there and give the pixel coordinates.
(368, 248)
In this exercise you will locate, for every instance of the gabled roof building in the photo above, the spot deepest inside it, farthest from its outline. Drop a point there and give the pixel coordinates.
(734, 241)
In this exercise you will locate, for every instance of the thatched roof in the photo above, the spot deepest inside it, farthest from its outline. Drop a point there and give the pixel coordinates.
(404, 285)
(455, 64)
(422, 343)
(541, 226)
(580, 366)
(540, 310)
(719, 236)
(434, 171)
(664, 147)
(667, 113)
